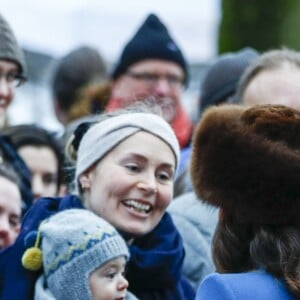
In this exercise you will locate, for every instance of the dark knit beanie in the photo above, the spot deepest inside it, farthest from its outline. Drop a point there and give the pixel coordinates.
(9, 47)
(247, 161)
(221, 80)
(151, 41)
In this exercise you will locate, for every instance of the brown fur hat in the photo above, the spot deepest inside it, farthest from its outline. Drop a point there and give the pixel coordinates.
(247, 161)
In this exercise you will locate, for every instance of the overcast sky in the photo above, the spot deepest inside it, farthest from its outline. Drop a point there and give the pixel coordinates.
(56, 26)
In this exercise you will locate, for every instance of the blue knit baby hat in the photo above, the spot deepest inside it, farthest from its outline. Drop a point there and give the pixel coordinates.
(75, 242)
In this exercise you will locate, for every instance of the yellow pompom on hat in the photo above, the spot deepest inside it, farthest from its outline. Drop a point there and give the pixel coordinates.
(69, 246)
(32, 258)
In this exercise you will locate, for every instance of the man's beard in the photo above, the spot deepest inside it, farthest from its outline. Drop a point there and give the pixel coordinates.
(164, 107)
(169, 109)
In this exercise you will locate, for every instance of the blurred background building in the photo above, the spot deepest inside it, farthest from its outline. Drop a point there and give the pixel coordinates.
(49, 29)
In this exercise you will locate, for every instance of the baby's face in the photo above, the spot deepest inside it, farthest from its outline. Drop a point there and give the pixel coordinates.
(10, 212)
(108, 282)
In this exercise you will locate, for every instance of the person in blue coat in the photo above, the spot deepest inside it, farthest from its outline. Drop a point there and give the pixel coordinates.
(246, 162)
(120, 177)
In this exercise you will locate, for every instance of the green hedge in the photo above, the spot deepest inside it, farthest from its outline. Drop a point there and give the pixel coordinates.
(261, 24)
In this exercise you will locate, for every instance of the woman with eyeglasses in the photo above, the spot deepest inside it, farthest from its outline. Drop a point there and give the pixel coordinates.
(12, 68)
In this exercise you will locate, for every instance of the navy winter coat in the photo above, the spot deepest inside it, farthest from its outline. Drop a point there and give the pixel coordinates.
(154, 269)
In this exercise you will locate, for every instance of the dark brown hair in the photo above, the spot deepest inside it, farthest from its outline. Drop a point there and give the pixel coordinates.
(244, 247)
(246, 161)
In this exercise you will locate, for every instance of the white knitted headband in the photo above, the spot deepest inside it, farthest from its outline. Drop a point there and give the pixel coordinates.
(104, 136)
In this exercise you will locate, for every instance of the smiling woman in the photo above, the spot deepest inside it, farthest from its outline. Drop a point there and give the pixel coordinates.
(132, 187)
(120, 177)
(12, 68)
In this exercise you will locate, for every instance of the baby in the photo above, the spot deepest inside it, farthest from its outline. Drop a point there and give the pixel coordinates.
(84, 257)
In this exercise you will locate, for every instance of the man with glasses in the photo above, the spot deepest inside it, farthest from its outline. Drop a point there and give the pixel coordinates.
(152, 65)
(12, 68)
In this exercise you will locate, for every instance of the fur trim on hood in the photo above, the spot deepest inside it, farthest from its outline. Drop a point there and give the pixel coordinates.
(247, 161)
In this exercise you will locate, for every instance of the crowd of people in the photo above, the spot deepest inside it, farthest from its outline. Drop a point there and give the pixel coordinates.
(137, 201)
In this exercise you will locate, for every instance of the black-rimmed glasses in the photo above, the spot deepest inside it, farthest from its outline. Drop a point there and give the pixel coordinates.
(151, 79)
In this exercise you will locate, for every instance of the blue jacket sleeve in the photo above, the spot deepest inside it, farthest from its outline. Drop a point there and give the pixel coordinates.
(15, 281)
(214, 288)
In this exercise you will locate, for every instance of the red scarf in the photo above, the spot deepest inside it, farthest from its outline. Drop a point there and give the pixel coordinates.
(181, 125)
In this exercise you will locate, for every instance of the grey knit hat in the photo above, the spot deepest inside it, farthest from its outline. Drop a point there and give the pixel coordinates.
(75, 242)
(222, 77)
(9, 47)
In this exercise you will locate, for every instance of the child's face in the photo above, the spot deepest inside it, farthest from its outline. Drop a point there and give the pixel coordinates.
(108, 282)
(10, 212)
